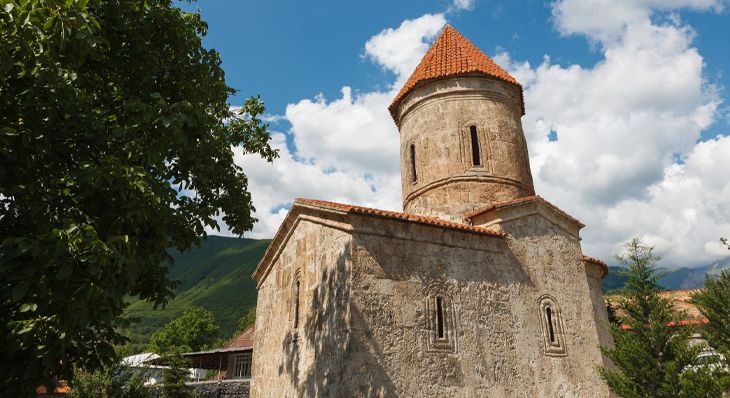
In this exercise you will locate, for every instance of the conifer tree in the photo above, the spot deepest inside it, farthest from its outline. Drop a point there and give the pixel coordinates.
(651, 349)
(714, 304)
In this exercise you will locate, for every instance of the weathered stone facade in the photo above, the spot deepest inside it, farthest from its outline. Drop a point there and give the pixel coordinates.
(493, 297)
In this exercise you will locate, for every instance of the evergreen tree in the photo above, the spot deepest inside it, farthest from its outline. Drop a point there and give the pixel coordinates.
(175, 376)
(651, 349)
(714, 304)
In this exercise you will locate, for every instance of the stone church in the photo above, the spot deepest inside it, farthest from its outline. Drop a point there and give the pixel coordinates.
(479, 288)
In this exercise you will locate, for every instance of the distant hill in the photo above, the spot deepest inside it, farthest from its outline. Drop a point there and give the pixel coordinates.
(217, 277)
(681, 278)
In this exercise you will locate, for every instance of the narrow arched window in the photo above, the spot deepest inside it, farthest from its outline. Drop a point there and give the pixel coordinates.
(414, 177)
(475, 156)
(296, 305)
(552, 327)
(549, 314)
(440, 322)
(440, 317)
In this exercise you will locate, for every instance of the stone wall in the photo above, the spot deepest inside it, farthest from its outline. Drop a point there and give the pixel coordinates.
(221, 389)
(435, 119)
(495, 337)
(303, 361)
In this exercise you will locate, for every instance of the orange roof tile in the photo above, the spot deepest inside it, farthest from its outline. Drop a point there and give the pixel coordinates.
(452, 55)
(599, 262)
(400, 216)
(517, 201)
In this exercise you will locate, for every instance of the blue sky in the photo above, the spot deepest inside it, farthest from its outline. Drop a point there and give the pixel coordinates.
(627, 121)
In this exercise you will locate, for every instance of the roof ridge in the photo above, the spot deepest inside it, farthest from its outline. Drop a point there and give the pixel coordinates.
(352, 209)
(598, 262)
(494, 206)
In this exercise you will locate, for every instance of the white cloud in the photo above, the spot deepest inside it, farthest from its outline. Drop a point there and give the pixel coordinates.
(606, 20)
(621, 124)
(351, 134)
(274, 186)
(463, 4)
(400, 50)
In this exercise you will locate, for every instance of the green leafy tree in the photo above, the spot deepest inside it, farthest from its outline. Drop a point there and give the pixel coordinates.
(245, 321)
(115, 146)
(650, 351)
(194, 330)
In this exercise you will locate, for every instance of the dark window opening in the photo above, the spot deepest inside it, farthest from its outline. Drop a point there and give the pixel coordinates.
(549, 313)
(296, 307)
(414, 177)
(476, 158)
(440, 317)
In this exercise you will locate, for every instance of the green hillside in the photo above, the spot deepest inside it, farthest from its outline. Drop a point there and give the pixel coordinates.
(217, 277)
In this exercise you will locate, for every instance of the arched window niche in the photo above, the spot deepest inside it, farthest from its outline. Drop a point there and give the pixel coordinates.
(440, 323)
(474, 137)
(552, 327)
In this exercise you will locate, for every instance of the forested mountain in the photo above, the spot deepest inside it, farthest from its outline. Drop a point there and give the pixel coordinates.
(673, 278)
(216, 276)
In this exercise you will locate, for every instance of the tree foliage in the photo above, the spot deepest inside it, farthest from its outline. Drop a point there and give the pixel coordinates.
(650, 351)
(714, 304)
(115, 381)
(175, 375)
(115, 146)
(194, 330)
(246, 321)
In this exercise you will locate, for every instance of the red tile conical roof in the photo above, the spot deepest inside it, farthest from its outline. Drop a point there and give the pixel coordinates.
(451, 55)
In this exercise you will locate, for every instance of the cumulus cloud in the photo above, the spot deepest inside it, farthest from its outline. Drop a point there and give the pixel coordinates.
(606, 20)
(626, 160)
(400, 50)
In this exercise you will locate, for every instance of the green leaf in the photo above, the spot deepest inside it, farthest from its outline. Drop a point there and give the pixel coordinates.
(20, 290)
(66, 270)
(9, 131)
(28, 307)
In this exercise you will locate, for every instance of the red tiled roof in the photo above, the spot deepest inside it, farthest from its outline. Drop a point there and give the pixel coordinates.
(517, 201)
(682, 322)
(400, 216)
(599, 262)
(243, 340)
(451, 55)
